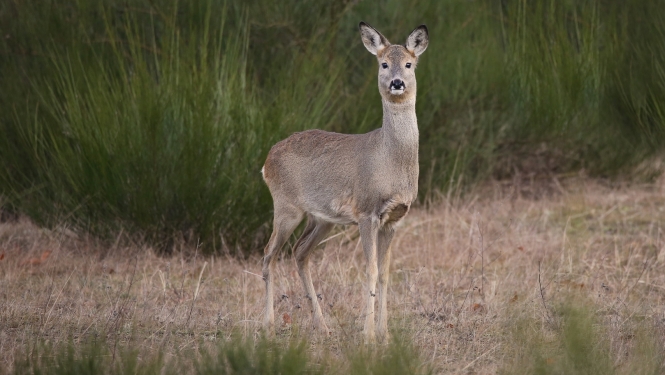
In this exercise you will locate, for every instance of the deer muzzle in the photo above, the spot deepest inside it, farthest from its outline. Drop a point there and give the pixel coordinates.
(397, 86)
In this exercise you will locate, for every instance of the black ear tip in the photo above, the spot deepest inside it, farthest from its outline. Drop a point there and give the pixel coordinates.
(361, 24)
(424, 28)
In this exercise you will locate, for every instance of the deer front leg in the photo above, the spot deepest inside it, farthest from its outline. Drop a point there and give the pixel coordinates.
(385, 237)
(368, 235)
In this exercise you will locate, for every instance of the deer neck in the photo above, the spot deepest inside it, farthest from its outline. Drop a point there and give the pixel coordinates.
(400, 130)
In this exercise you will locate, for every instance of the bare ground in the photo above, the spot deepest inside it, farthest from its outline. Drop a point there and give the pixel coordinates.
(464, 273)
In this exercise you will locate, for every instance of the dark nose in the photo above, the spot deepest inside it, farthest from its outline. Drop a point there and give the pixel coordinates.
(398, 84)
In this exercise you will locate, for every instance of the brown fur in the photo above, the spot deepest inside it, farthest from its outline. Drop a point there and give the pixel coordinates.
(365, 179)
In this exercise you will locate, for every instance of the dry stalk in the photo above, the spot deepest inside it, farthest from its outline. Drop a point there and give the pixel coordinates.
(437, 260)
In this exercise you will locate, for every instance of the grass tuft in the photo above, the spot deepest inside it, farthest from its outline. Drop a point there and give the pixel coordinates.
(577, 342)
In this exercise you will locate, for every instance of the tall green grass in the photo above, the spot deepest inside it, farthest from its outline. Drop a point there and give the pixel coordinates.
(156, 116)
(235, 356)
(160, 130)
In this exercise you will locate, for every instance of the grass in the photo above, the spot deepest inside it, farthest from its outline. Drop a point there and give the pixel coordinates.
(557, 277)
(133, 133)
(156, 133)
(154, 117)
(235, 356)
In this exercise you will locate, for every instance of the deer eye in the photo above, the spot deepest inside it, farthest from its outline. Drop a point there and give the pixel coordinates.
(384, 65)
(408, 65)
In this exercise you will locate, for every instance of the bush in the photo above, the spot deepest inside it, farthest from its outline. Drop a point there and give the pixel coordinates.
(156, 116)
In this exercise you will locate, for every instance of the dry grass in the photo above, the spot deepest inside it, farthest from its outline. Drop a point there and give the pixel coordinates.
(466, 275)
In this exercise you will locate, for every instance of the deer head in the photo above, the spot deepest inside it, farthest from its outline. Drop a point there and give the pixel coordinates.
(397, 63)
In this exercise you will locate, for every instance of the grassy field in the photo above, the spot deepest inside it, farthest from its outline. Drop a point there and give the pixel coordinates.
(541, 277)
(132, 211)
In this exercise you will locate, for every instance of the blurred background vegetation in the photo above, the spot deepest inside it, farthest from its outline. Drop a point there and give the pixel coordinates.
(154, 117)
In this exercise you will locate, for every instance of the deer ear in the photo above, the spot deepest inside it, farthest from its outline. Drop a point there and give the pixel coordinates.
(372, 39)
(417, 42)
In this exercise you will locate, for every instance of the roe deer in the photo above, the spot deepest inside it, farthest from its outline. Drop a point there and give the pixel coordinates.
(365, 179)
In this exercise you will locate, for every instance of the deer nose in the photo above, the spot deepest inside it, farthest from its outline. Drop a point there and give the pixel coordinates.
(397, 84)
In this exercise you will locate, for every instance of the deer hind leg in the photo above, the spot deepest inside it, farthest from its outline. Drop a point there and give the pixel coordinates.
(312, 235)
(369, 228)
(385, 237)
(284, 223)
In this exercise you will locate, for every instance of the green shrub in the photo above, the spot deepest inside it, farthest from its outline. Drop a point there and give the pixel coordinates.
(160, 130)
(155, 116)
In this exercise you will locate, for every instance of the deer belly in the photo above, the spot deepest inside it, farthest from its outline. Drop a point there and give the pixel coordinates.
(337, 219)
(339, 211)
